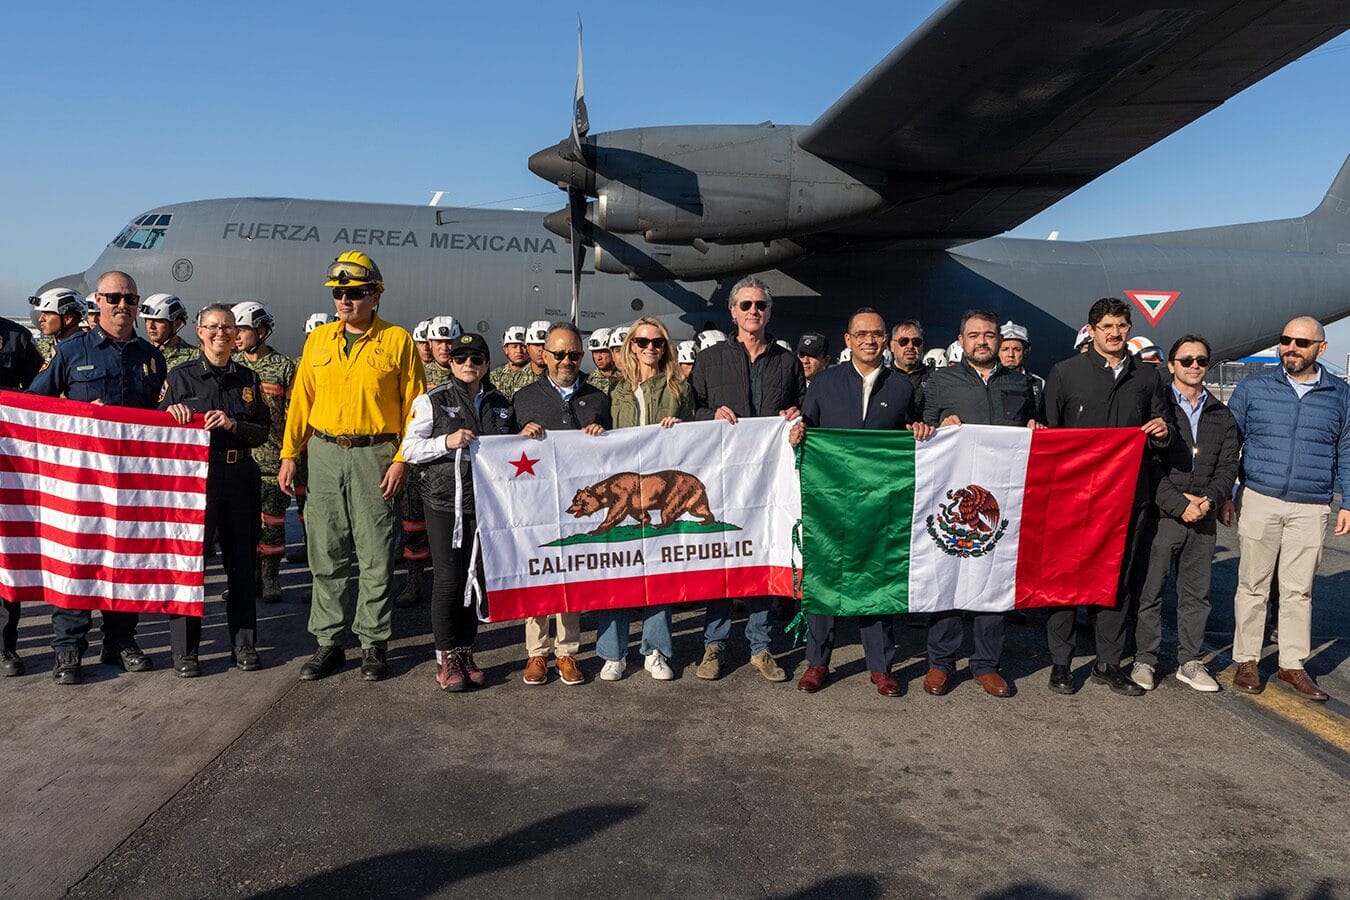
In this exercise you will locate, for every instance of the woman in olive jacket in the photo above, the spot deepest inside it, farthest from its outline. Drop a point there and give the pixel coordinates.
(651, 391)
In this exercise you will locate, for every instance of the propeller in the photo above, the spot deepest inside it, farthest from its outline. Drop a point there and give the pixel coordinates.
(576, 198)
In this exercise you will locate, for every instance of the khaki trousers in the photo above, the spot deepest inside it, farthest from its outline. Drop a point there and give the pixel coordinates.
(1294, 532)
(538, 642)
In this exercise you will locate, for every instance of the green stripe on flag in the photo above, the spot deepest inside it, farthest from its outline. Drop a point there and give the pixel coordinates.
(857, 507)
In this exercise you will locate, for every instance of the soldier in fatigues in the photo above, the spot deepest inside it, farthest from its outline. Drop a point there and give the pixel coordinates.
(415, 549)
(606, 374)
(517, 371)
(164, 316)
(276, 371)
(59, 312)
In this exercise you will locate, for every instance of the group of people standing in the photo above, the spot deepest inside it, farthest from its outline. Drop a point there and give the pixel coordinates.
(369, 404)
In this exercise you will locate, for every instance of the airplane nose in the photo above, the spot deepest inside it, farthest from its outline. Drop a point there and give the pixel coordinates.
(551, 165)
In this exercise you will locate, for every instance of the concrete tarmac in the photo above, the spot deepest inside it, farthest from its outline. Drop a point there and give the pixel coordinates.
(254, 785)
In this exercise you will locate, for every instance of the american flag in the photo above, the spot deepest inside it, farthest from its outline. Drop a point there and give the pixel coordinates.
(101, 507)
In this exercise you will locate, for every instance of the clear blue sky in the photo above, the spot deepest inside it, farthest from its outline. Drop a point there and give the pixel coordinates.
(113, 109)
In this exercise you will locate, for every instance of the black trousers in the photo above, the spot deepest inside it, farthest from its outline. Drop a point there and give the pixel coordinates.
(9, 625)
(234, 517)
(1191, 549)
(70, 628)
(452, 623)
(1110, 623)
(876, 633)
(947, 630)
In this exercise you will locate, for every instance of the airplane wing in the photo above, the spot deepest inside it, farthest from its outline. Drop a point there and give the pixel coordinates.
(993, 110)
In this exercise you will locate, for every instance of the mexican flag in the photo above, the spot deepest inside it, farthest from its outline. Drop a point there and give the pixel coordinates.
(979, 517)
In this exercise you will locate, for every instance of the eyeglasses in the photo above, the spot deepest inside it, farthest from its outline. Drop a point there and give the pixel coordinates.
(1301, 343)
(875, 335)
(1187, 361)
(906, 341)
(643, 343)
(572, 355)
(213, 328)
(343, 272)
(471, 359)
(355, 293)
(760, 305)
(121, 299)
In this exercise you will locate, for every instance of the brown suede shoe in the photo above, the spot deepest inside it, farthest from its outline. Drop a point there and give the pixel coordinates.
(937, 682)
(536, 670)
(1302, 682)
(569, 672)
(1248, 678)
(994, 685)
(886, 685)
(813, 679)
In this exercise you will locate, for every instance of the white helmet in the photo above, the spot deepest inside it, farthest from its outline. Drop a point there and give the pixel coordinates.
(845, 355)
(62, 301)
(514, 334)
(954, 353)
(419, 332)
(537, 333)
(617, 336)
(935, 358)
(1084, 336)
(685, 351)
(599, 340)
(1145, 349)
(252, 314)
(712, 336)
(318, 319)
(443, 328)
(784, 344)
(163, 306)
(888, 357)
(1011, 331)
(90, 306)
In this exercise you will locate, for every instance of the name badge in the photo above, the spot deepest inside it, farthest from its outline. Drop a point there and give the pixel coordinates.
(84, 368)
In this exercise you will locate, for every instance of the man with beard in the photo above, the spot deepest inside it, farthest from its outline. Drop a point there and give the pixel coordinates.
(907, 352)
(1294, 422)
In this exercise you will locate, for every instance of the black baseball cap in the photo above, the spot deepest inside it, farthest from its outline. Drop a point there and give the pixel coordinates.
(470, 341)
(813, 343)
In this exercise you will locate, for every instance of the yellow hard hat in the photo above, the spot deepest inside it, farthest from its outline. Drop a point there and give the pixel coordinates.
(353, 267)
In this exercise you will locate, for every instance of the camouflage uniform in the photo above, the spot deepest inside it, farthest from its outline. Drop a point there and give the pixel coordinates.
(46, 345)
(276, 371)
(435, 374)
(598, 379)
(508, 379)
(180, 352)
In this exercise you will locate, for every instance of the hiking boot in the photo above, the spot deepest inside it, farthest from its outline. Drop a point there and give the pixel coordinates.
(270, 567)
(1197, 676)
(710, 669)
(450, 674)
(411, 595)
(768, 666)
(67, 669)
(475, 675)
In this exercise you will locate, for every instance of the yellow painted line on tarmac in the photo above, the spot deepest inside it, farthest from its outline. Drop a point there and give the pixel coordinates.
(1309, 715)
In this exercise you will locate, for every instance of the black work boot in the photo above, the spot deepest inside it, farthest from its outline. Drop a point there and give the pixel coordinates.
(270, 566)
(324, 662)
(411, 595)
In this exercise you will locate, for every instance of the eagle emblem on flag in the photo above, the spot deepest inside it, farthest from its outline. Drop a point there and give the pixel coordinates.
(969, 524)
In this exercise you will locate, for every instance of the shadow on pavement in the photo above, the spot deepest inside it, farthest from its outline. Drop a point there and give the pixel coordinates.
(422, 871)
(854, 886)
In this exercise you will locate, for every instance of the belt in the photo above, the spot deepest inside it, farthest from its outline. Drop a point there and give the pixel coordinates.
(228, 456)
(348, 441)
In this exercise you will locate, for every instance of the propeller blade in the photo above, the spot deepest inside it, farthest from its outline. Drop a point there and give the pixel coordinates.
(576, 220)
(581, 120)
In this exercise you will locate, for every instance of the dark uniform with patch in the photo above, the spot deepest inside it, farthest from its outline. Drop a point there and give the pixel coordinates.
(19, 364)
(232, 499)
(92, 366)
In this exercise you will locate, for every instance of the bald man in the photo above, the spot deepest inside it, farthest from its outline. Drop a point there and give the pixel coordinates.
(1294, 421)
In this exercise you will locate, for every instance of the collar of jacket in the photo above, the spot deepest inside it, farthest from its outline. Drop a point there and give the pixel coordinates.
(1099, 361)
(1278, 373)
(770, 344)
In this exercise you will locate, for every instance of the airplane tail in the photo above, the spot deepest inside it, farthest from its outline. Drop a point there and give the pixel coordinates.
(1329, 224)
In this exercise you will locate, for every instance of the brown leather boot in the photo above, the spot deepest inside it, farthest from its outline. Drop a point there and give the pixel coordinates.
(1302, 682)
(1248, 678)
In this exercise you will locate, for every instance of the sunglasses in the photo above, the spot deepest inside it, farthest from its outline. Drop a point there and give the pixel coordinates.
(906, 341)
(343, 272)
(760, 305)
(572, 355)
(121, 299)
(356, 293)
(472, 359)
(643, 343)
(1301, 343)
(1187, 361)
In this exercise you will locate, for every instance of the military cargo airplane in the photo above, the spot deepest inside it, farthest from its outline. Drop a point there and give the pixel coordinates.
(984, 116)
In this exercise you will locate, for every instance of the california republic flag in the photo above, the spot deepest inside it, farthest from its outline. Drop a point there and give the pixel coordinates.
(636, 516)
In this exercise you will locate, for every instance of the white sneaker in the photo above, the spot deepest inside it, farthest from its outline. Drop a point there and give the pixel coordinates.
(657, 665)
(1197, 676)
(613, 669)
(1142, 675)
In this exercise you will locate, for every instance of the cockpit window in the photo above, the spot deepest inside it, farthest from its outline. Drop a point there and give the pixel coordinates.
(143, 234)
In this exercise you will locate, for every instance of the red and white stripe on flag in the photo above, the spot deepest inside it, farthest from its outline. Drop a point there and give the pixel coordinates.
(101, 507)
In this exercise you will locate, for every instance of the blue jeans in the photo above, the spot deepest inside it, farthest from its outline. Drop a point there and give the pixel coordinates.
(611, 631)
(717, 623)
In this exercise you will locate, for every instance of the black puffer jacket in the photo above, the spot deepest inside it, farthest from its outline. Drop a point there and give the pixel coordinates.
(1206, 465)
(959, 389)
(540, 402)
(721, 377)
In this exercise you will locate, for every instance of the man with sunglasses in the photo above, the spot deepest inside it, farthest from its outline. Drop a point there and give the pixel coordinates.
(354, 388)
(108, 365)
(561, 400)
(1294, 421)
(907, 356)
(20, 361)
(1194, 478)
(749, 375)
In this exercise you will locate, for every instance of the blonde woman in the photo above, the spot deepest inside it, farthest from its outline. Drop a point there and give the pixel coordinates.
(651, 390)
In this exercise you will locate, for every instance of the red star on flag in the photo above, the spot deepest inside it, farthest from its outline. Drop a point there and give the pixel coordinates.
(523, 465)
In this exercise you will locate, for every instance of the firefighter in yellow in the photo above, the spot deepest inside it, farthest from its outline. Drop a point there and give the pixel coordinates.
(354, 388)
